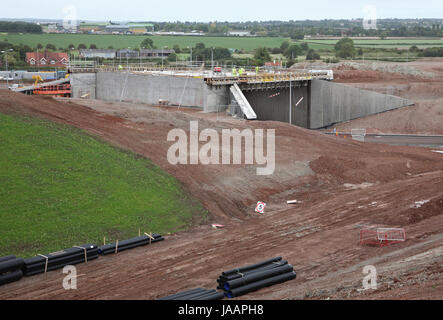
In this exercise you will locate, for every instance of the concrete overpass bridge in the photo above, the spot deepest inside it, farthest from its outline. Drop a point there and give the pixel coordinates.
(304, 98)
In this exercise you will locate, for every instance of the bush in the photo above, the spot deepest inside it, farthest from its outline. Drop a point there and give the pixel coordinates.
(312, 55)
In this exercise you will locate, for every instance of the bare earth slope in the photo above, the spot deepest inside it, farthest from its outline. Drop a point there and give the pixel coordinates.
(342, 184)
(423, 85)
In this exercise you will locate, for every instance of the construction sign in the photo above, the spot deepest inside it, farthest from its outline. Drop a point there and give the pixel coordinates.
(260, 208)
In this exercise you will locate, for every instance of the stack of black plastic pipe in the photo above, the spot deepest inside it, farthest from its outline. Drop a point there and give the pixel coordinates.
(129, 243)
(10, 269)
(239, 281)
(57, 260)
(196, 294)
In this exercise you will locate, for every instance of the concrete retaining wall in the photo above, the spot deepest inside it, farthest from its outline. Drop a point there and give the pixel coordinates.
(83, 85)
(334, 102)
(150, 89)
(269, 106)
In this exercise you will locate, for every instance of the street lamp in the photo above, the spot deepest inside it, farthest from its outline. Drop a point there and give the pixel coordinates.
(127, 59)
(163, 54)
(5, 52)
(190, 58)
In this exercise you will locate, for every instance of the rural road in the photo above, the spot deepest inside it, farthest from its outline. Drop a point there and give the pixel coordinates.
(429, 141)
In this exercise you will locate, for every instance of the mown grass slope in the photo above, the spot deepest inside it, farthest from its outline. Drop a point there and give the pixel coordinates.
(61, 187)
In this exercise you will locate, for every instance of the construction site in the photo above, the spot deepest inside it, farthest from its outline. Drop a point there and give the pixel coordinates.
(358, 157)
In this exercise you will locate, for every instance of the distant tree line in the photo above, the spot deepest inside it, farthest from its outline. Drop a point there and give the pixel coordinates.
(6, 26)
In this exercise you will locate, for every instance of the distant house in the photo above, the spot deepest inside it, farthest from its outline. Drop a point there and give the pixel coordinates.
(127, 54)
(239, 33)
(155, 53)
(47, 59)
(98, 53)
(117, 28)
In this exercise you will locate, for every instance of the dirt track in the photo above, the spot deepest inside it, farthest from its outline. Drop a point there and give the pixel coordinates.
(343, 185)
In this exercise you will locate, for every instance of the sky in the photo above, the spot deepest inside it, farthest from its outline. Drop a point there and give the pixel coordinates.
(223, 10)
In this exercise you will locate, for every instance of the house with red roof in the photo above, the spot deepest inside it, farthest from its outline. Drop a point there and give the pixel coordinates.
(47, 59)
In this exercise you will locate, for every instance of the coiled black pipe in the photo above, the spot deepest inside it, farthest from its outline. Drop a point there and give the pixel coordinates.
(260, 284)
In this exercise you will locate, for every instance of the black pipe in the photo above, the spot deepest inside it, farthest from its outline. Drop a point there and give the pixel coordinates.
(11, 265)
(60, 254)
(213, 296)
(232, 284)
(223, 279)
(7, 258)
(57, 260)
(252, 266)
(35, 271)
(129, 243)
(260, 284)
(183, 293)
(11, 277)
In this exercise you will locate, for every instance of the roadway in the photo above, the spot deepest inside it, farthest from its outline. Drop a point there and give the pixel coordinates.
(428, 141)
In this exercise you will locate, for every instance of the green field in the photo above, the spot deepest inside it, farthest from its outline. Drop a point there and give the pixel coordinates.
(385, 44)
(61, 187)
(133, 41)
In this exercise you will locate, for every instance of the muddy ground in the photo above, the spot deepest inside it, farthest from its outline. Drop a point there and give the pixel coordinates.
(421, 81)
(343, 186)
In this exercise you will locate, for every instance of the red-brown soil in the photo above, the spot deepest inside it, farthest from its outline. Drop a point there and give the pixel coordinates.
(342, 185)
(425, 117)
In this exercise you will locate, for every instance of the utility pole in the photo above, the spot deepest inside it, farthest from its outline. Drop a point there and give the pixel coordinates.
(5, 52)
(212, 59)
(290, 100)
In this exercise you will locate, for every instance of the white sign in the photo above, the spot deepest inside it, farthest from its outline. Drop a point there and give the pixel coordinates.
(260, 208)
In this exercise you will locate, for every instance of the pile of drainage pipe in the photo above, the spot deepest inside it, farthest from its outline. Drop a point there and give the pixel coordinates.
(10, 269)
(56, 260)
(13, 269)
(240, 281)
(196, 294)
(130, 243)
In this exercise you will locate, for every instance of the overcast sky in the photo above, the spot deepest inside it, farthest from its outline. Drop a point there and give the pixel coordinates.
(223, 10)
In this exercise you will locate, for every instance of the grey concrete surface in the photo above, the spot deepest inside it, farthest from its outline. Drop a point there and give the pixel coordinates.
(335, 102)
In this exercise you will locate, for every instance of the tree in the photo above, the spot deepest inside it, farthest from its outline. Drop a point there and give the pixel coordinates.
(50, 46)
(39, 46)
(293, 51)
(81, 46)
(176, 48)
(71, 46)
(261, 55)
(284, 45)
(345, 48)
(148, 43)
(312, 55)
(172, 57)
(297, 35)
(92, 46)
(200, 45)
(304, 46)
